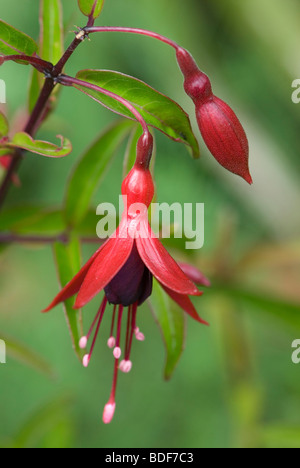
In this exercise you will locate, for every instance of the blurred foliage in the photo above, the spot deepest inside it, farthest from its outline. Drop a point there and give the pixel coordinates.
(235, 385)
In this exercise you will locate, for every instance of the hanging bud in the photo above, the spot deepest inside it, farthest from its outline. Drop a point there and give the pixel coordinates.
(220, 128)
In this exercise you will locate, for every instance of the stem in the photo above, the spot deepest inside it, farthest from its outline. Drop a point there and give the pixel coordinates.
(35, 118)
(143, 32)
(8, 238)
(46, 91)
(30, 129)
(80, 37)
(41, 65)
(70, 81)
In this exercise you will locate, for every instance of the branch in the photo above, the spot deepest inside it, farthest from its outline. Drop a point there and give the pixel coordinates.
(35, 118)
(143, 32)
(41, 65)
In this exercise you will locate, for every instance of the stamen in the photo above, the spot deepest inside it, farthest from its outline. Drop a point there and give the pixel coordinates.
(139, 335)
(132, 312)
(100, 314)
(111, 342)
(83, 342)
(117, 352)
(128, 329)
(110, 407)
(108, 413)
(86, 360)
(125, 366)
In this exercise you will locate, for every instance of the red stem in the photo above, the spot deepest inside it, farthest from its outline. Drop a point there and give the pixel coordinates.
(41, 65)
(143, 32)
(39, 109)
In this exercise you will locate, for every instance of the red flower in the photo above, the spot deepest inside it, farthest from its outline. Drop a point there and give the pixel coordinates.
(220, 128)
(124, 268)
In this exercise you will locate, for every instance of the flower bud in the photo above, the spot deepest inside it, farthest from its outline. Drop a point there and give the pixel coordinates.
(224, 136)
(219, 126)
(196, 84)
(138, 185)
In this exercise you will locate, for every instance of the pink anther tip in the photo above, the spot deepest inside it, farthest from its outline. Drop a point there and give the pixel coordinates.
(83, 342)
(108, 413)
(86, 360)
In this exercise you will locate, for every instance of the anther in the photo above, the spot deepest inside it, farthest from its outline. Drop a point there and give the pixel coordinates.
(108, 413)
(111, 342)
(83, 342)
(86, 360)
(117, 352)
(125, 366)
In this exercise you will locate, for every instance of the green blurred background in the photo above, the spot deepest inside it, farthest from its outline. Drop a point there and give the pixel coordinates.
(235, 385)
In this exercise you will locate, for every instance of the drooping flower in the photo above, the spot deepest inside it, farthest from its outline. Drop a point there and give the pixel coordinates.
(219, 126)
(124, 268)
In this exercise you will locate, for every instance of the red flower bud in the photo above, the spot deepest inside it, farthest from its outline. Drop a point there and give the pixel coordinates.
(138, 185)
(220, 128)
(224, 136)
(196, 84)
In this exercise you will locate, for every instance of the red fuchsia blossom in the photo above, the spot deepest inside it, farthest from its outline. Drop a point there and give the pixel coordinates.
(124, 268)
(220, 128)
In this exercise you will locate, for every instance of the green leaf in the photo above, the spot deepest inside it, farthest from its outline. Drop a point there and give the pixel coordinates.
(51, 47)
(13, 215)
(158, 110)
(172, 323)
(26, 142)
(27, 356)
(91, 169)
(43, 221)
(86, 7)
(68, 259)
(13, 42)
(32, 219)
(3, 125)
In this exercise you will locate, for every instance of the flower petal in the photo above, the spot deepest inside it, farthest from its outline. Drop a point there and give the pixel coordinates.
(74, 285)
(107, 264)
(161, 264)
(185, 303)
(194, 274)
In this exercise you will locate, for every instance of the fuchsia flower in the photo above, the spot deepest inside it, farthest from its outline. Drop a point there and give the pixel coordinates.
(220, 128)
(124, 268)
